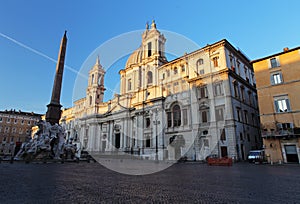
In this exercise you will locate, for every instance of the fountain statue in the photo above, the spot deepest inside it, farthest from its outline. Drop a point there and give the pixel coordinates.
(49, 141)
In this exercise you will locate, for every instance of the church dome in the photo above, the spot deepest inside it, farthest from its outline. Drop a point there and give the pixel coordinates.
(135, 57)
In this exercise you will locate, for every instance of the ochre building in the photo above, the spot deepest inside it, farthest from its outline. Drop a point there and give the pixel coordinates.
(15, 128)
(278, 88)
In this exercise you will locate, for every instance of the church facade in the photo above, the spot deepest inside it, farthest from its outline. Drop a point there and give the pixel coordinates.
(202, 103)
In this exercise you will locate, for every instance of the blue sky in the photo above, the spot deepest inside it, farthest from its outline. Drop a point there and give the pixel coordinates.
(258, 28)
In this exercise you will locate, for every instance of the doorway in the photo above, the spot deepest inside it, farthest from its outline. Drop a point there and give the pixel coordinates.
(117, 140)
(291, 153)
(242, 152)
(224, 152)
(103, 146)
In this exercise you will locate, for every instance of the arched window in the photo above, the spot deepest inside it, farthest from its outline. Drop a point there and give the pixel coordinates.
(200, 62)
(91, 100)
(150, 78)
(176, 115)
(100, 79)
(198, 65)
(175, 70)
(129, 85)
(92, 81)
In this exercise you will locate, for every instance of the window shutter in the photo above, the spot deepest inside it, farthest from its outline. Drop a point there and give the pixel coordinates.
(278, 62)
(269, 63)
(288, 104)
(276, 106)
(272, 79)
(281, 78)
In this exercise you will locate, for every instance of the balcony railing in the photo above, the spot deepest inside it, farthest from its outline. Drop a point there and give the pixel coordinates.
(278, 133)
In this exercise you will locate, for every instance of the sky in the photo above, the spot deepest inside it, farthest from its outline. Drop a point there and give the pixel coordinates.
(30, 34)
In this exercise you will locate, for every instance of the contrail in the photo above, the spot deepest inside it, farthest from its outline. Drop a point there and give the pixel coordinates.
(46, 56)
(40, 53)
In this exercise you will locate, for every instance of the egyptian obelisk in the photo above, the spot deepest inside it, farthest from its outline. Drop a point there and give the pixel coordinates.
(54, 108)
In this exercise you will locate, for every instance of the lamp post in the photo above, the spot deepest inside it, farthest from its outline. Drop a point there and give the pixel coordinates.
(156, 122)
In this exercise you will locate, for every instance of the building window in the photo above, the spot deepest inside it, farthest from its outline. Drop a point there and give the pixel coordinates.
(176, 116)
(168, 72)
(276, 78)
(246, 116)
(0, 120)
(223, 135)
(149, 49)
(148, 122)
(241, 136)
(243, 93)
(215, 61)
(219, 114)
(250, 97)
(22, 122)
(198, 65)
(29, 122)
(12, 139)
(92, 81)
(150, 78)
(129, 85)
(185, 119)
(282, 105)
(238, 111)
(8, 120)
(4, 139)
(182, 68)
(200, 62)
(175, 70)
(202, 92)
(91, 100)
(218, 89)
(169, 118)
(253, 119)
(204, 116)
(274, 62)
(148, 142)
(201, 71)
(236, 90)
(246, 73)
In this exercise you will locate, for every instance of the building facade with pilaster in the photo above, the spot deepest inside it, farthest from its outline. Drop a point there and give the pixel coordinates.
(199, 104)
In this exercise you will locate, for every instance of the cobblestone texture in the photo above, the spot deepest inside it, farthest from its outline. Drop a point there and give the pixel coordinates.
(181, 183)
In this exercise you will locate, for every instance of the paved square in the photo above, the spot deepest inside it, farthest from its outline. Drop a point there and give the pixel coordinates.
(181, 183)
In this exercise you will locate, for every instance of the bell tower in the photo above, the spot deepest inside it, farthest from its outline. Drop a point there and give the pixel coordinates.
(153, 43)
(95, 89)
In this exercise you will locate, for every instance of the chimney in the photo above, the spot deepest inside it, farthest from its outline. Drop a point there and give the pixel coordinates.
(285, 49)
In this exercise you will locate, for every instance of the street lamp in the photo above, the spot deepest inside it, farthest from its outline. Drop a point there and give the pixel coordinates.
(156, 122)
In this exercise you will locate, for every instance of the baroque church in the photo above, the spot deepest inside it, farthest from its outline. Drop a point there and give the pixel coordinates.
(202, 103)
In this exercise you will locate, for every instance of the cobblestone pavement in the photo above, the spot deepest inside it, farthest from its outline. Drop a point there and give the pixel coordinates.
(181, 183)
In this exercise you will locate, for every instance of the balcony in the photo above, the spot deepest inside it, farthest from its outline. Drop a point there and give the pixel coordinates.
(279, 133)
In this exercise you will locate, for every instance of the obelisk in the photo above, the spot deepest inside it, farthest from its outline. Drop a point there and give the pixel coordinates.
(54, 108)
